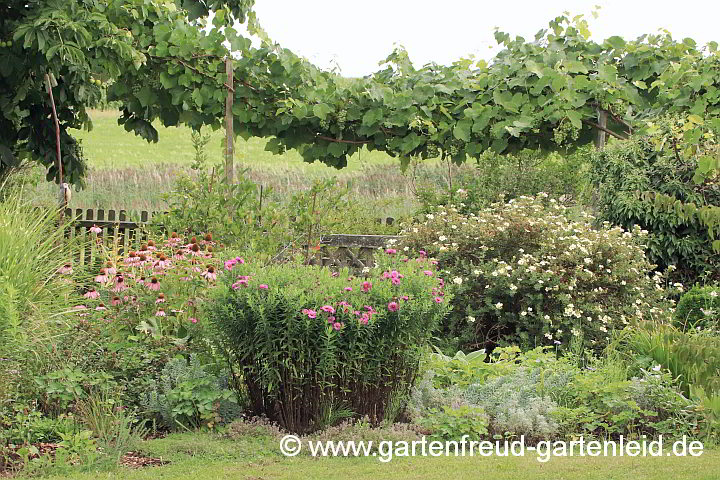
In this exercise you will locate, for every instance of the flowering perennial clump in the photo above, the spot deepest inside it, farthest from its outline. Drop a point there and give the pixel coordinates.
(531, 272)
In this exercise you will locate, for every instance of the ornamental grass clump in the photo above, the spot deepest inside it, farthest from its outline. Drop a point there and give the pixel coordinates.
(531, 272)
(315, 346)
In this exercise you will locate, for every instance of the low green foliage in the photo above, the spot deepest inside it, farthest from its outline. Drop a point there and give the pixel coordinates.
(452, 423)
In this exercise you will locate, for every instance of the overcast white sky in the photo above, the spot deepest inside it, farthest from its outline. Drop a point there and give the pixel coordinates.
(358, 34)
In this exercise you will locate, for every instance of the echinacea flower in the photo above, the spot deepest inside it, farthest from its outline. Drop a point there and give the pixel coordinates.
(151, 245)
(110, 268)
(79, 307)
(160, 298)
(65, 269)
(193, 320)
(366, 286)
(390, 251)
(160, 313)
(327, 308)
(337, 325)
(393, 306)
(438, 299)
(95, 229)
(92, 294)
(195, 249)
(210, 274)
(120, 284)
(364, 319)
(100, 307)
(115, 301)
(348, 289)
(103, 277)
(153, 284)
(405, 297)
(428, 273)
(263, 286)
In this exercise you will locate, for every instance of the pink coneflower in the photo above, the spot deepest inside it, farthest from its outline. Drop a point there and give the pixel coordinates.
(103, 277)
(207, 239)
(195, 249)
(438, 299)
(153, 284)
(65, 269)
(263, 286)
(327, 308)
(115, 301)
(110, 268)
(92, 294)
(239, 283)
(393, 306)
(193, 320)
(178, 255)
(140, 281)
(348, 289)
(120, 284)
(391, 251)
(441, 282)
(210, 274)
(101, 307)
(428, 273)
(229, 264)
(331, 319)
(366, 286)
(337, 325)
(369, 309)
(95, 229)
(79, 307)
(160, 298)
(162, 262)
(434, 262)
(395, 281)
(364, 319)
(131, 258)
(174, 239)
(405, 297)
(334, 274)
(151, 245)
(160, 313)
(309, 313)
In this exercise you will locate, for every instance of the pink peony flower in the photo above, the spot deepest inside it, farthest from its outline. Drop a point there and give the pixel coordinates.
(393, 306)
(366, 286)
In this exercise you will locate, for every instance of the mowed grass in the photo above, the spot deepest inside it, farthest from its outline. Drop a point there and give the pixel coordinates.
(109, 146)
(205, 456)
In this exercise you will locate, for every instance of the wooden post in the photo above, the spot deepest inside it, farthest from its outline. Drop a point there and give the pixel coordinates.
(58, 159)
(601, 135)
(229, 134)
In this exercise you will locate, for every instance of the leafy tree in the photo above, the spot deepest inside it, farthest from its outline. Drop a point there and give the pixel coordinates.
(164, 60)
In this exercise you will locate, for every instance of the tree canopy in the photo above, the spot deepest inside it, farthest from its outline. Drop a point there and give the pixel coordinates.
(164, 60)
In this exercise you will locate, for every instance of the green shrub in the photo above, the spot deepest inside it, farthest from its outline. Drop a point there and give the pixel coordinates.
(623, 171)
(699, 308)
(310, 342)
(525, 273)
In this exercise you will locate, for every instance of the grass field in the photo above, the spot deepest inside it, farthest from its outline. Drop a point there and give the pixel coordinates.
(127, 172)
(204, 456)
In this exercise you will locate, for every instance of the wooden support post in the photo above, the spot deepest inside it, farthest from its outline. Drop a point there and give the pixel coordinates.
(600, 135)
(58, 159)
(229, 134)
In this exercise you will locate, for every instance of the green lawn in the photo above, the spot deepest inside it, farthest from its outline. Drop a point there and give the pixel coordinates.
(202, 456)
(109, 146)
